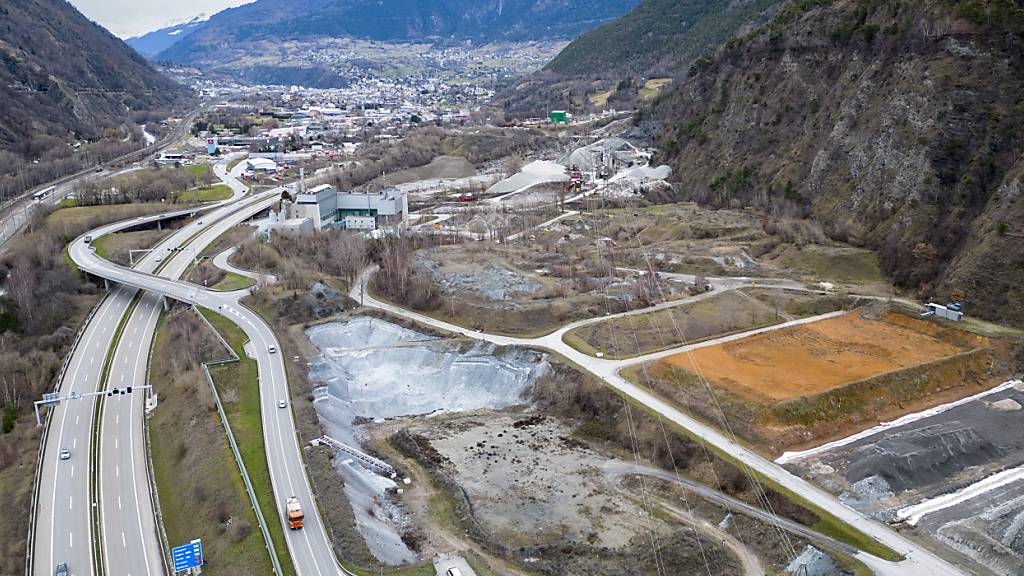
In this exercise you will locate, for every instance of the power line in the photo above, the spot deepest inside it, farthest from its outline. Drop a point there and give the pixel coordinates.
(759, 492)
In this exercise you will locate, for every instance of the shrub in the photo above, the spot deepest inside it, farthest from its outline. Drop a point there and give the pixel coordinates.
(10, 416)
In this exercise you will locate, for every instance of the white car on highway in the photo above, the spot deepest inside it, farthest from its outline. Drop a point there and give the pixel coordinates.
(272, 349)
(282, 403)
(65, 453)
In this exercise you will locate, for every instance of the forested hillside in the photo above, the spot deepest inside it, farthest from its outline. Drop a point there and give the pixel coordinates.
(896, 124)
(609, 66)
(63, 81)
(658, 37)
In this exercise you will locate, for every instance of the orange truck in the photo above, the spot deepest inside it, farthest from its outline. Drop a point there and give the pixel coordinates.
(293, 511)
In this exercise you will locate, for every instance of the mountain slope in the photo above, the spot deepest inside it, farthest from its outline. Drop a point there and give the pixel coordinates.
(152, 43)
(64, 78)
(896, 124)
(657, 35)
(658, 38)
(397, 21)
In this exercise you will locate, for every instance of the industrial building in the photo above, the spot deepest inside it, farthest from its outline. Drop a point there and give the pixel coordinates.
(319, 204)
(260, 165)
(388, 207)
(324, 207)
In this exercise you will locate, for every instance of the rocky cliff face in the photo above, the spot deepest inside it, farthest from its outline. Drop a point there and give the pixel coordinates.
(895, 124)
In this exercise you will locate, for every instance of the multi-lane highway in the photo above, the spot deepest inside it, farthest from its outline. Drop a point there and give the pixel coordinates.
(128, 524)
(63, 530)
(310, 548)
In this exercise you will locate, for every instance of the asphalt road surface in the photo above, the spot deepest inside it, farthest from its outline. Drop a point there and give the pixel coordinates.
(63, 531)
(130, 540)
(310, 548)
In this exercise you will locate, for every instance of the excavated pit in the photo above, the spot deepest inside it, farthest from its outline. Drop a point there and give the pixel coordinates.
(372, 369)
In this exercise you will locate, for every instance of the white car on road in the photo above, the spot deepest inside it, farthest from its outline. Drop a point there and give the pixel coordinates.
(65, 453)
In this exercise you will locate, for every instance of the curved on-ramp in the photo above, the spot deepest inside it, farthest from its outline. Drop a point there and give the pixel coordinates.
(310, 547)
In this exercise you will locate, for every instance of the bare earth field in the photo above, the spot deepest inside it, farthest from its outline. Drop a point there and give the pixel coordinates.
(542, 496)
(804, 385)
(520, 291)
(813, 358)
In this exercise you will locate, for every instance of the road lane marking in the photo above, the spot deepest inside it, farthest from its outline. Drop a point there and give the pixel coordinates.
(123, 543)
(76, 420)
(72, 470)
(74, 443)
(115, 443)
(117, 470)
(71, 539)
(71, 503)
(118, 502)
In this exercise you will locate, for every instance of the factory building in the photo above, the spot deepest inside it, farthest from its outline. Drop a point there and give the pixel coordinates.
(319, 204)
(325, 207)
(388, 207)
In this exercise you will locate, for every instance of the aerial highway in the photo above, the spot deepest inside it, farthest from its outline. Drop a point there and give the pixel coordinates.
(130, 540)
(310, 548)
(62, 530)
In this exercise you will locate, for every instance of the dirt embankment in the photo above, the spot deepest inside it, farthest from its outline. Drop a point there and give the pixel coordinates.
(812, 383)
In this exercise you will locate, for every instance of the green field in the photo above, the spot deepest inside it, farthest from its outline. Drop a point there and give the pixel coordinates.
(198, 504)
(232, 282)
(210, 194)
(239, 383)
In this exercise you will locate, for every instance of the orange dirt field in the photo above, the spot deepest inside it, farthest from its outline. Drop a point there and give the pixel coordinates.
(812, 358)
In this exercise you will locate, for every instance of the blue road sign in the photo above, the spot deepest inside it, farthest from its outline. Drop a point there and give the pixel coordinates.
(188, 556)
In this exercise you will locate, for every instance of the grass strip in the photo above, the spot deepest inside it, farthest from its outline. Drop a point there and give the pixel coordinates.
(100, 246)
(233, 281)
(208, 194)
(247, 426)
(221, 488)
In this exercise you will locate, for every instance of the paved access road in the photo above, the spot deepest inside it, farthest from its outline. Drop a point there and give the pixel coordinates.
(918, 560)
(310, 548)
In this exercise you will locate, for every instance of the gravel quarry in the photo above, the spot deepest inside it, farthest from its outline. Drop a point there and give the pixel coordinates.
(955, 474)
(369, 368)
(490, 280)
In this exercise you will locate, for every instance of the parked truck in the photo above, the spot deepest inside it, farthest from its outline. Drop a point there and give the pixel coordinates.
(293, 511)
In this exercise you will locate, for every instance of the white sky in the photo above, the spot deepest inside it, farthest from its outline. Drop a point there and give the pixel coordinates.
(127, 18)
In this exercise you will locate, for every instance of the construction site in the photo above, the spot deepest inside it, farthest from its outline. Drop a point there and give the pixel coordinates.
(813, 382)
